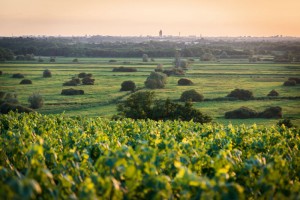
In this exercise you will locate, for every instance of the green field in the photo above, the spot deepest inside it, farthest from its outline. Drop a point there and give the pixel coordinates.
(213, 80)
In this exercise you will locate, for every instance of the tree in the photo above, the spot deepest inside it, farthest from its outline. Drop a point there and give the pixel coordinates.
(156, 80)
(145, 58)
(137, 106)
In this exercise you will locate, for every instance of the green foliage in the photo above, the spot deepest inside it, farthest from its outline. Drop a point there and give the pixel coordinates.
(36, 101)
(241, 94)
(286, 122)
(57, 157)
(47, 73)
(137, 106)
(290, 83)
(191, 95)
(145, 58)
(128, 86)
(273, 93)
(26, 81)
(142, 105)
(174, 111)
(156, 80)
(6, 54)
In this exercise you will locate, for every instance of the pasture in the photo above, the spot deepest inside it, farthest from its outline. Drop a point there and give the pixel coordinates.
(212, 79)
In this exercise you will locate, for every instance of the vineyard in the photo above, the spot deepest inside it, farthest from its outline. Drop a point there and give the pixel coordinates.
(60, 157)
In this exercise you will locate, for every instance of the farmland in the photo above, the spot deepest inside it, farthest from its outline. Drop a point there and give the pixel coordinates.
(212, 79)
(59, 157)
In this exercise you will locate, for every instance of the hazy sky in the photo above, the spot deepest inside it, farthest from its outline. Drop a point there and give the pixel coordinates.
(147, 17)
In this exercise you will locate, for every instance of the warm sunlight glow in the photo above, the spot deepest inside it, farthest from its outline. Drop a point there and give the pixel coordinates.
(147, 17)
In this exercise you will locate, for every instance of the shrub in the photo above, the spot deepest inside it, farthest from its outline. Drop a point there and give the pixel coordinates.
(271, 112)
(75, 60)
(52, 59)
(47, 73)
(290, 83)
(83, 75)
(111, 61)
(185, 81)
(1, 72)
(137, 106)
(124, 69)
(174, 71)
(26, 81)
(241, 113)
(145, 58)
(156, 80)
(273, 93)
(18, 75)
(128, 86)
(295, 79)
(159, 68)
(73, 82)
(191, 95)
(72, 91)
(286, 122)
(40, 59)
(184, 64)
(141, 105)
(88, 81)
(241, 94)
(36, 101)
(152, 60)
(20, 57)
(8, 98)
(168, 110)
(5, 108)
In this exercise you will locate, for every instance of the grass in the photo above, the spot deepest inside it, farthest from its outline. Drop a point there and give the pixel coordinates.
(213, 80)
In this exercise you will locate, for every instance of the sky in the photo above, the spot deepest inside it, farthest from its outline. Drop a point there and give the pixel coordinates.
(147, 17)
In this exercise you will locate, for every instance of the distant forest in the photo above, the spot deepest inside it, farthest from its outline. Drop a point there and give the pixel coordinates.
(282, 51)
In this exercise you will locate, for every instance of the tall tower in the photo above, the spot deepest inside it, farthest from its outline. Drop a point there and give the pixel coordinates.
(160, 33)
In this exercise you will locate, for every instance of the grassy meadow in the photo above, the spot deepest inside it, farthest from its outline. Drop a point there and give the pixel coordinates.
(212, 79)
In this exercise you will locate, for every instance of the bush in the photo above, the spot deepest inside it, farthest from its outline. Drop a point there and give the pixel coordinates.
(124, 69)
(73, 82)
(185, 81)
(5, 108)
(286, 122)
(72, 91)
(156, 80)
(40, 59)
(88, 81)
(271, 112)
(145, 58)
(47, 73)
(141, 105)
(184, 64)
(1, 72)
(111, 61)
(18, 75)
(128, 86)
(241, 94)
(36, 101)
(297, 80)
(241, 113)
(191, 95)
(83, 75)
(273, 93)
(137, 106)
(174, 71)
(26, 81)
(52, 59)
(75, 60)
(173, 111)
(159, 68)
(8, 98)
(290, 83)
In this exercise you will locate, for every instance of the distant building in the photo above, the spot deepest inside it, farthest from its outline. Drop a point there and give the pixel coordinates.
(160, 33)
